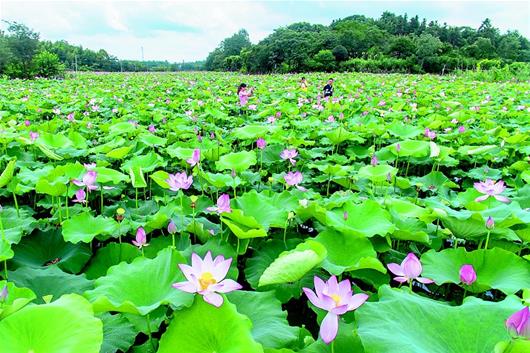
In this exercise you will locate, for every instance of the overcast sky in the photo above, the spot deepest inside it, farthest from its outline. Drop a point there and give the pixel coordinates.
(188, 30)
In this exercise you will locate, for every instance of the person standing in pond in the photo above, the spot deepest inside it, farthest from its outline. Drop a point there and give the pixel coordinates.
(303, 84)
(244, 93)
(328, 89)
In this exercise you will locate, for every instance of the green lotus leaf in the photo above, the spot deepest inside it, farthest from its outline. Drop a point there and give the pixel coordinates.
(137, 177)
(367, 218)
(471, 150)
(203, 328)
(6, 252)
(118, 333)
(348, 252)
(412, 148)
(43, 248)
(347, 341)
(378, 173)
(108, 175)
(119, 153)
(269, 322)
(160, 178)
(152, 140)
(49, 281)
(7, 174)
(404, 322)
(108, 256)
(254, 131)
(16, 298)
(263, 209)
(495, 268)
(131, 288)
(146, 163)
(66, 325)
(290, 266)
(16, 225)
(238, 161)
(84, 227)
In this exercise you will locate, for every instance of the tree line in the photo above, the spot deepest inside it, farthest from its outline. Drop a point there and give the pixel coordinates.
(24, 55)
(391, 43)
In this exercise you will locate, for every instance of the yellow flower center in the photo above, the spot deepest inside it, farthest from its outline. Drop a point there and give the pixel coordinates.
(206, 280)
(336, 299)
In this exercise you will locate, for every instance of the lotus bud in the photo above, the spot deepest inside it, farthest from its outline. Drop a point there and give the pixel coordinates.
(172, 227)
(490, 223)
(468, 275)
(3, 294)
(120, 212)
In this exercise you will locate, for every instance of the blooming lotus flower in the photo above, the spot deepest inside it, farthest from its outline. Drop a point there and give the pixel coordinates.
(491, 188)
(293, 179)
(89, 166)
(430, 134)
(179, 181)
(207, 277)
(289, 155)
(252, 107)
(88, 181)
(33, 136)
(80, 196)
(172, 227)
(195, 157)
(271, 119)
(27, 122)
(410, 269)
(490, 223)
(519, 322)
(261, 143)
(461, 129)
(152, 128)
(468, 276)
(70, 117)
(223, 205)
(140, 239)
(337, 299)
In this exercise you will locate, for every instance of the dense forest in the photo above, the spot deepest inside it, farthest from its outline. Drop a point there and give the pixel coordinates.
(24, 55)
(391, 43)
(357, 43)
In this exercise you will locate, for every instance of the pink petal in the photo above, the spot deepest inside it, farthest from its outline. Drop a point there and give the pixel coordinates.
(395, 269)
(344, 288)
(502, 198)
(329, 328)
(312, 297)
(220, 270)
(320, 286)
(188, 271)
(196, 263)
(411, 266)
(226, 286)
(481, 198)
(339, 310)
(214, 299)
(424, 280)
(185, 287)
(333, 285)
(401, 279)
(356, 301)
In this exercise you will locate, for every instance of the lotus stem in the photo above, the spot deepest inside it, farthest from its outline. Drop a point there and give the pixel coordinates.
(16, 204)
(149, 333)
(136, 197)
(333, 346)
(487, 240)
(101, 201)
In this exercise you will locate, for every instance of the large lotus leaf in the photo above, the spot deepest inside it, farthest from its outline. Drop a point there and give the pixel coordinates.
(262, 209)
(474, 227)
(107, 175)
(347, 341)
(378, 173)
(6, 252)
(367, 218)
(119, 153)
(51, 187)
(254, 131)
(7, 173)
(43, 248)
(137, 177)
(84, 227)
(141, 286)
(238, 161)
(485, 149)
(152, 140)
(402, 130)
(348, 252)
(243, 227)
(269, 322)
(15, 226)
(160, 178)
(49, 281)
(16, 298)
(404, 322)
(64, 326)
(495, 268)
(118, 333)
(108, 256)
(146, 163)
(203, 328)
(340, 135)
(290, 266)
(513, 346)
(412, 148)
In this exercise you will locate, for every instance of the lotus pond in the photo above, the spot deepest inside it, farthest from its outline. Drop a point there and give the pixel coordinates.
(150, 213)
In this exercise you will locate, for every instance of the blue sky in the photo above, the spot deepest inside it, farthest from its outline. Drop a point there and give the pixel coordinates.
(188, 30)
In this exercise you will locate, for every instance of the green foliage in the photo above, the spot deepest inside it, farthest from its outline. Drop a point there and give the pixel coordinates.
(46, 64)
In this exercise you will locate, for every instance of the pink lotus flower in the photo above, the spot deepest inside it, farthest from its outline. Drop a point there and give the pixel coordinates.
(89, 166)
(223, 205)
(398, 147)
(80, 196)
(195, 158)
(519, 322)
(27, 122)
(140, 239)
(491, 188)
(336, 299)
(410, 269)
(374, 161)
(331, 119)
(289, 155)
(468, 276)
(271, 119)
(490, 223)
(33, 136)
(70, 117)
(207, 277)
(261, 143)
(88, 181)
(461, 129)
(430, 134)
(293, 179)
(152, 128)
(172, 227)
(252, 107)
(179, 181)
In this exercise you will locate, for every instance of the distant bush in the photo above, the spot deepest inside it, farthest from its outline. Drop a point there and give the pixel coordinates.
(46, 64)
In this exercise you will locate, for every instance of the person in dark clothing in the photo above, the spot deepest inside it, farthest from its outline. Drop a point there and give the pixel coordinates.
(328, 89)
